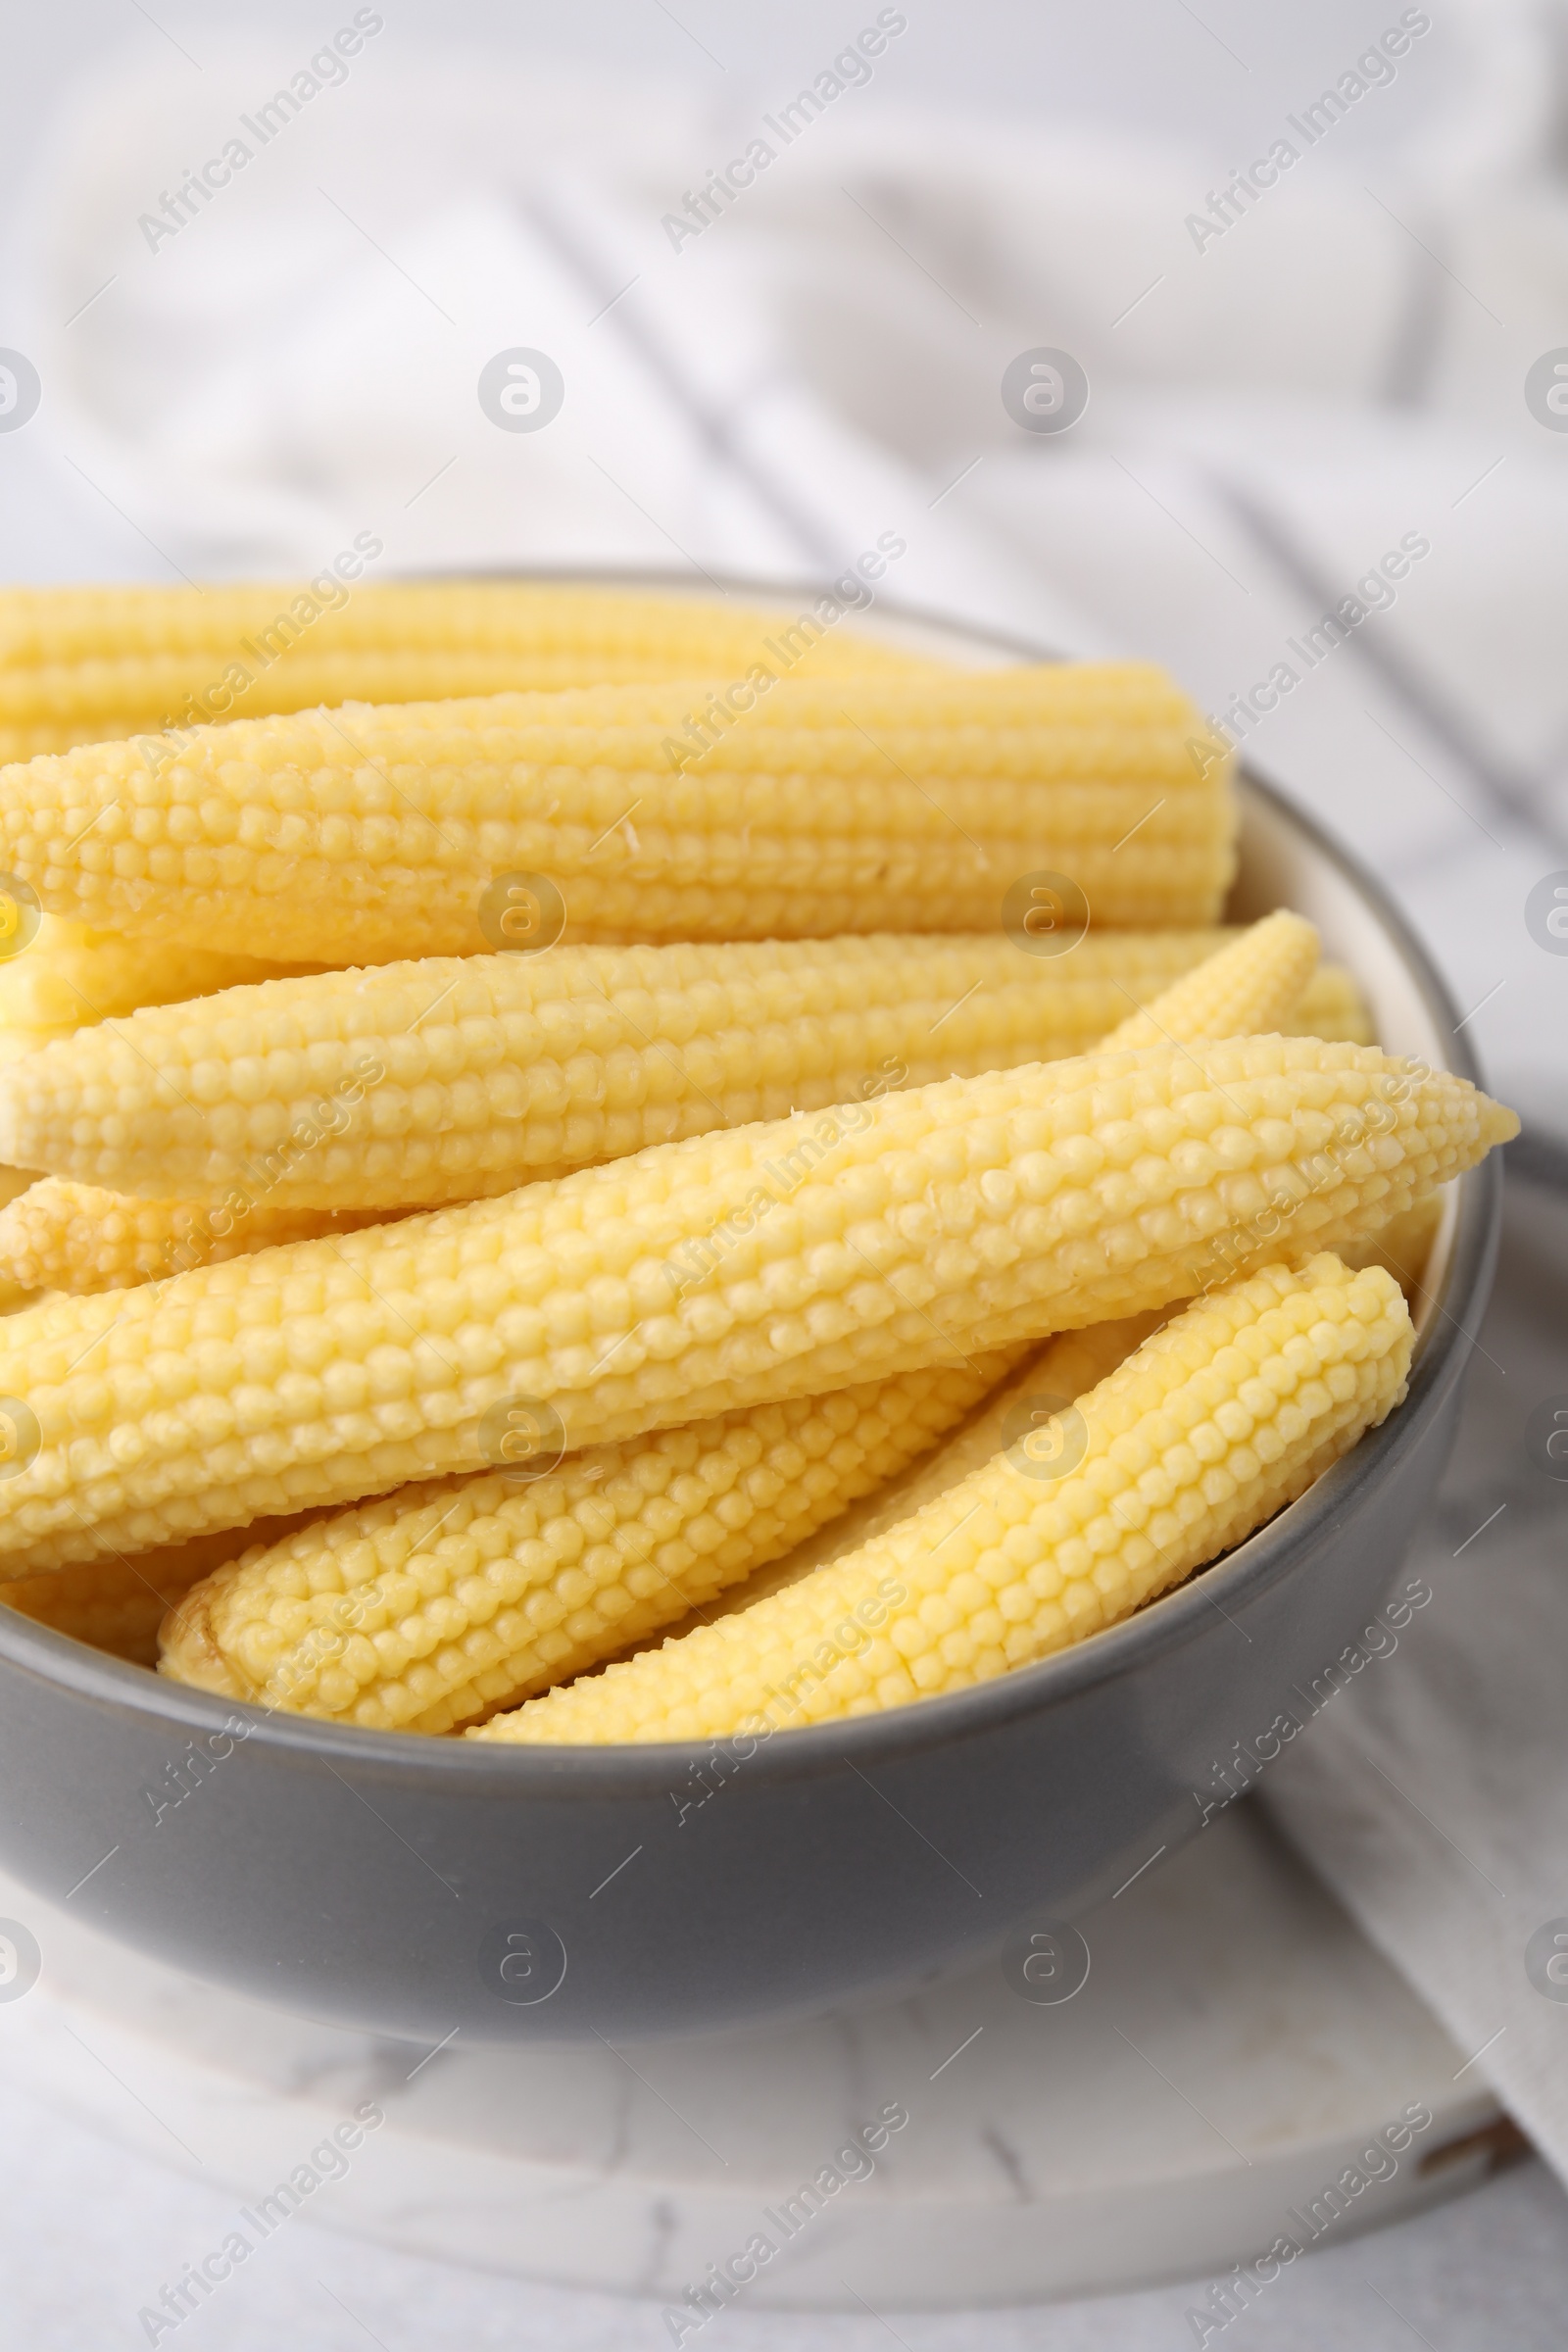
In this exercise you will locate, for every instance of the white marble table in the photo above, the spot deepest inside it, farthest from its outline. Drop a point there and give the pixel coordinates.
(1233, 2047)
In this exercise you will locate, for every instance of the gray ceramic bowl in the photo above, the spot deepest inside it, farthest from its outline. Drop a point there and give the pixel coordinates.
(421, 1886)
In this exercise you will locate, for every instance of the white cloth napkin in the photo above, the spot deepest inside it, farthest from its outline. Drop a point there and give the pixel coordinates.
(1431, 1792)
(1338, 373)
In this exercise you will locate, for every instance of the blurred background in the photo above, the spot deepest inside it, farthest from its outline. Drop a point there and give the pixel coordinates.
(1148, 327)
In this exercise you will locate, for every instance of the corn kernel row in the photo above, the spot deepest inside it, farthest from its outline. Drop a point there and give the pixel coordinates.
(377, 832)
(417, 1084)
(57, 1236)
(89, 665)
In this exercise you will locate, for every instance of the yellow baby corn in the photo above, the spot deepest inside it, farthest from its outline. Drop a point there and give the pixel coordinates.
(106, 1604)
(580, 627)
(1217, 1421)
(427, 1609)
(1249, 982)
(119, 1604)
(495, 1069)
(72, 1237)
(812, 807)
(771, 1262)
(1072, 1364)
(88, 664)
(68, 979)
(1333, 1008)
(1403, 1244)
(1252, 985)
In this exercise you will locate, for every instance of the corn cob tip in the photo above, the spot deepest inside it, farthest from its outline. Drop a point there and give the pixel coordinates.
(1500, 1124)
(1248, 987)
(188, 1648)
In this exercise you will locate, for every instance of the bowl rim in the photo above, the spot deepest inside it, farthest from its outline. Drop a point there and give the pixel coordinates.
(808, 1751)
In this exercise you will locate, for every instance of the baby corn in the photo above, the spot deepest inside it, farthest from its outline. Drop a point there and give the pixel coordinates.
(794, 809)
(1333, 1008)
(119, 1604)
(70, 978)
(87, 665)
(495, 1069)
(1246, 984)
(426, 1610)
(1252, 985)
(67, 978)
(1215, 1424)
(1072, 1364)
(1403, 1244)
(771, 1262)
(71, 1236)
